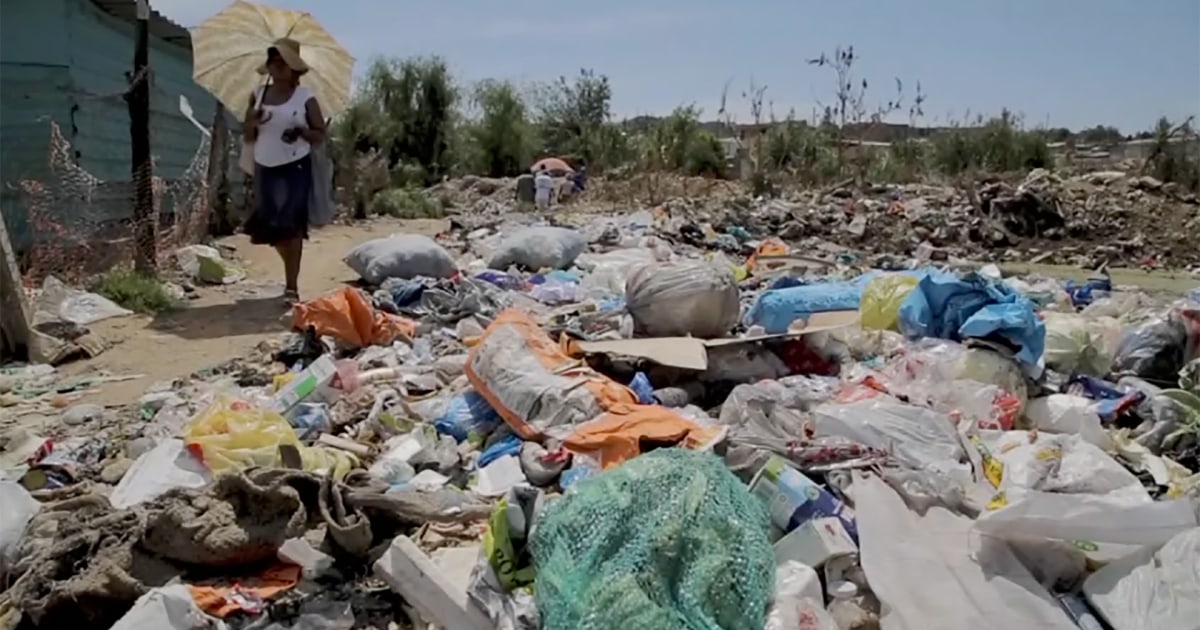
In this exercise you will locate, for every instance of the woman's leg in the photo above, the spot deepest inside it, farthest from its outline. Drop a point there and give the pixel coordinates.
(290, 252)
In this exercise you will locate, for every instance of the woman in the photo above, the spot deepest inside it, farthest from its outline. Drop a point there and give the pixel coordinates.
(283, 121)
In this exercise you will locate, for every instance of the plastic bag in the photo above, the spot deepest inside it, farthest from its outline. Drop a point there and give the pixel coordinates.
(533, 384)
(1060, 464)
(539, 248)
(401, 256)
(920, 438)
(468, 418)
(1072, 415)
(19, 509)
(776, 309)
(797, 601)
(607, 272)
(680, 299)
(321, 207)
(907, 558)
(1151, 589)
(59, 303)
(231, 436)
(166, 466)
(1075, 344)
(1158, 350)
(881, 300)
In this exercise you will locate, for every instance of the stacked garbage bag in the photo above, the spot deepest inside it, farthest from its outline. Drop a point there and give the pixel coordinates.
(640, 422)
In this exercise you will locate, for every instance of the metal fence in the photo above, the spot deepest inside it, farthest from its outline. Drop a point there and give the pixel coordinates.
(79, 225)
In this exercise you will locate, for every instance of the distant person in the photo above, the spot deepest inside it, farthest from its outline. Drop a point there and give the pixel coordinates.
(579, 181)
(543, 185)
(283, 121)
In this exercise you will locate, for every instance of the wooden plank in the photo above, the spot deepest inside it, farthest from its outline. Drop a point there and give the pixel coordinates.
(413, 575)
(16, 334)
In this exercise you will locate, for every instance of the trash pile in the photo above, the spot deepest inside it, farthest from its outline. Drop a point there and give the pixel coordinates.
(638, 421)
(1087, 220)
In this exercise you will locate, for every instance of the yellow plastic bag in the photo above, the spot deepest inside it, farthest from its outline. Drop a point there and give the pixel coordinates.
(232, 435)
(881, 300)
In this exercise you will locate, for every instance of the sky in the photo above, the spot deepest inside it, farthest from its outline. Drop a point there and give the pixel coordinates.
(1060, 63)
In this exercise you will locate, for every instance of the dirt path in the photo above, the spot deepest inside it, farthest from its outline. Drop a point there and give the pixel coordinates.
(225, 322)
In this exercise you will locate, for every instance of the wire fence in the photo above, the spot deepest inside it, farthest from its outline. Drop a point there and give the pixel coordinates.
(80, 225)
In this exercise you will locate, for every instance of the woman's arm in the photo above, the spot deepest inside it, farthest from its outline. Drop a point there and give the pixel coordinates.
(315, 133)
(250, 122)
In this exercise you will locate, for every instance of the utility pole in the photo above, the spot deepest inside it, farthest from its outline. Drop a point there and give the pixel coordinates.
(138, 98)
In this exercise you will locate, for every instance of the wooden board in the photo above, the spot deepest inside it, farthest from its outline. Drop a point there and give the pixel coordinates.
(16, 335)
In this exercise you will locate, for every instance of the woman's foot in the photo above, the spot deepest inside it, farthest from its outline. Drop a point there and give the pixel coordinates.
(291, 297)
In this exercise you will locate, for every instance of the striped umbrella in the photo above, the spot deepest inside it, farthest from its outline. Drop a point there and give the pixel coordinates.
(229, 48)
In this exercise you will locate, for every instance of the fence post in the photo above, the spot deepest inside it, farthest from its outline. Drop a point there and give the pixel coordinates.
(218, 202)
(138, 98)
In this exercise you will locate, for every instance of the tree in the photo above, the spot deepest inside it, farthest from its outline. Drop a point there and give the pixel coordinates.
(502, 135)
(574, 119)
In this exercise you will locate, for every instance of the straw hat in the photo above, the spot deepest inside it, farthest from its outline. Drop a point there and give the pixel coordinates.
(289, 50)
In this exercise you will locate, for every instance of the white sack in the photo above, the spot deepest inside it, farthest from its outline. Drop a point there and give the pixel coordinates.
(699, 299)
(539, 248)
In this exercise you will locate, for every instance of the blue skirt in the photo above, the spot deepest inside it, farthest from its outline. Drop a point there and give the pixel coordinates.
(281, 198)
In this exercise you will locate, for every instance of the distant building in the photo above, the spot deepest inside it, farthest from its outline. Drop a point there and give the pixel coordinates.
(66, 61)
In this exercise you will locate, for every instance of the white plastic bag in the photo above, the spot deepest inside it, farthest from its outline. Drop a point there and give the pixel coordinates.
(699, 299)
(1151, 589)
(539, 248)
(1097, 519)
(920, 438)
(321, 208)
(59, 302)
(401, 256)
(797, 604)
(166, 466)
(1072, 415)
(169, 607)
(928, 576)
(18, 508)
(1062, 464)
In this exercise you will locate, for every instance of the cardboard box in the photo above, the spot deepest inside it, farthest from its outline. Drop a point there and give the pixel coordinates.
(302, 388)
(815, 542)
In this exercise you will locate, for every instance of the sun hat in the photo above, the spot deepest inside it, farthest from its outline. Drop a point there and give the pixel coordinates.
(289, 51)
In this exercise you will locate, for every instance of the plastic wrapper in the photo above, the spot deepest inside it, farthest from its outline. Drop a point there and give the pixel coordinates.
(681, 299)
(881, 300)
(1059, 464)
(468, 418)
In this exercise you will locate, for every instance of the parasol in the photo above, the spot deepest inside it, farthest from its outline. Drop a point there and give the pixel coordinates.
(229, 48)
(552, 165)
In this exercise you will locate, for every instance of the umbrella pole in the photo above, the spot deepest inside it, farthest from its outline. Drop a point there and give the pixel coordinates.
(138, 98)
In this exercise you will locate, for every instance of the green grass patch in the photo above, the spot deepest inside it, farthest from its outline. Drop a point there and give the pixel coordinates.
(136, 291)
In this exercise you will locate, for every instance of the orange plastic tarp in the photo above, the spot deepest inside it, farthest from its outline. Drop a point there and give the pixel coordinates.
(533, 384)
(348, 316)
(618, 435)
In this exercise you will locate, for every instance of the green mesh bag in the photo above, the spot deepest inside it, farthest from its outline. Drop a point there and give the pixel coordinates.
(669, 540)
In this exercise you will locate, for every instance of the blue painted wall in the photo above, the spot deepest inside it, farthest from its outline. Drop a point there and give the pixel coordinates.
(65, 60)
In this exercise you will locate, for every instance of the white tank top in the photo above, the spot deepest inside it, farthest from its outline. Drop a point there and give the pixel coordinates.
(269, 147)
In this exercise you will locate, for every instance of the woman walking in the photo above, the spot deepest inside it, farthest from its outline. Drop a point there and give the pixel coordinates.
(283, 121)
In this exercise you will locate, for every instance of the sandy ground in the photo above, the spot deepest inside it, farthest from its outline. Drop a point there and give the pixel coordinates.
(225, 322)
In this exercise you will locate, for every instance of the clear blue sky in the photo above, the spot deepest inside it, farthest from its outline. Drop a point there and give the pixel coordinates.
(1073, 63)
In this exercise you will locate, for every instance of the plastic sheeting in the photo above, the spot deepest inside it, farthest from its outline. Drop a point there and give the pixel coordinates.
(681, 299)
(956, 586)
(1153, 589)
(348, 316)
(948, 307)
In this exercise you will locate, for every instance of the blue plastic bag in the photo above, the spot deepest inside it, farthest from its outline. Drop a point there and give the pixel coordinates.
(776, 309)
(468, 417)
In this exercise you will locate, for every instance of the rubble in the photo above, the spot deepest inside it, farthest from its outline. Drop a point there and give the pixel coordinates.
(724, 413)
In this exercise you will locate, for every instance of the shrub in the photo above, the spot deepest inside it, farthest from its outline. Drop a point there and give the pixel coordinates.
(135, 291)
